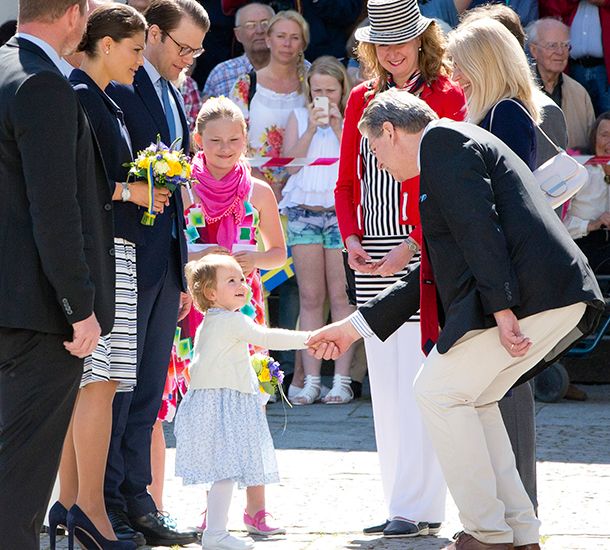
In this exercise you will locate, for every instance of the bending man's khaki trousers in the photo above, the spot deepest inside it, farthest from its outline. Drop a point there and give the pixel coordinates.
(458, 393)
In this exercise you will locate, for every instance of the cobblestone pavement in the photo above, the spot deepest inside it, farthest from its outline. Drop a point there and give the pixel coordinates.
(330, 480)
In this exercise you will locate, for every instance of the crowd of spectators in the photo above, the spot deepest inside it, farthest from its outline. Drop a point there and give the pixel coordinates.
(565, 45)
(290, 67)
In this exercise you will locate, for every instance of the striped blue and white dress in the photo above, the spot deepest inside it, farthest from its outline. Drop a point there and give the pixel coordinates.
(115, 356)
(381, 214)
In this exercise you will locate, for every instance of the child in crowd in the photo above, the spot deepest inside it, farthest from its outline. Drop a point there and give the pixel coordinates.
(313, 231)
(221, 429)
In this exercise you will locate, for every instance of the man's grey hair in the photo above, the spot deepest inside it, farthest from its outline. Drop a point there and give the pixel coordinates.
(239, 12)
(533, 29)
(401, 109)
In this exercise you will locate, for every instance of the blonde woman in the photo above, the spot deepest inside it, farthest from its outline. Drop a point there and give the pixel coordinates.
(492, 69)
(313, 231)
(268, 96)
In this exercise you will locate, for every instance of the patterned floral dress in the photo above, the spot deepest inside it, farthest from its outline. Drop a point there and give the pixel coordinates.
(200, 231)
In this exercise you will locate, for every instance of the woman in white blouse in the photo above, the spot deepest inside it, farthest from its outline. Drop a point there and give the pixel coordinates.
(588, 216)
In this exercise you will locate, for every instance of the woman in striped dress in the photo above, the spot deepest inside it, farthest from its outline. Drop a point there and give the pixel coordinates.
(379, 223)
(113, 46)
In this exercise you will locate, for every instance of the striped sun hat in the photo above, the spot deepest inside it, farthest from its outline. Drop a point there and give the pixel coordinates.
(392, 22)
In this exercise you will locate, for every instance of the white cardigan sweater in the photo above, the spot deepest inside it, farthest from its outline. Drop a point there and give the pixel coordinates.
(221, 358)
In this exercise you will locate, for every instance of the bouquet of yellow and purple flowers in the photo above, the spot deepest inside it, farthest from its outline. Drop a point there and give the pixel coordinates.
(269, 374)
(162, 167)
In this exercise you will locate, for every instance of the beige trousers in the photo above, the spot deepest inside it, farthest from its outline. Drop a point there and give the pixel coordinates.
(458, 393)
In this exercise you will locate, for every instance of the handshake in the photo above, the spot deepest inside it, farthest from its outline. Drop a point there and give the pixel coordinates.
(333, 340)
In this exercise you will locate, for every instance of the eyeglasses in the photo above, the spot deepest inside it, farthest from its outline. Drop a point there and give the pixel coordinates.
(185, 50)
(253, 25)
(557, 46)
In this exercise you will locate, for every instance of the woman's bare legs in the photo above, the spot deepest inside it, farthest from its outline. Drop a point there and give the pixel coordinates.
(84, 460)
(310, 272)
(339, 306)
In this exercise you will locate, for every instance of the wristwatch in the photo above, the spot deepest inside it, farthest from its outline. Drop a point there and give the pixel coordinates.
(411, 245)
(125, 193)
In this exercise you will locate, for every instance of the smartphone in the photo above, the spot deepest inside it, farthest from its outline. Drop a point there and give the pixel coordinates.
(321, 102)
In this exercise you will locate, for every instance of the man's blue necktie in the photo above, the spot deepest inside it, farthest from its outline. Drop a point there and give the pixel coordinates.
(171, 123)
(167, 107)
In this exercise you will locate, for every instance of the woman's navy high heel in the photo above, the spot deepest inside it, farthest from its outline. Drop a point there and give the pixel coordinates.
(57, 518)
(81, 527)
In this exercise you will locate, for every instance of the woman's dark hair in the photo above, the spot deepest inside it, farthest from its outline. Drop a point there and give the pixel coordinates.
(7, 31)
(593, 134)
(117, 21)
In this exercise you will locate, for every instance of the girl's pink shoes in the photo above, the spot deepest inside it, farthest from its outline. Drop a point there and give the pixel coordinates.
(257, 525)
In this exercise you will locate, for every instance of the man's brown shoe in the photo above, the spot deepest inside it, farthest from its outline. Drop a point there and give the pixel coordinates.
(534, 546)
(468, 542)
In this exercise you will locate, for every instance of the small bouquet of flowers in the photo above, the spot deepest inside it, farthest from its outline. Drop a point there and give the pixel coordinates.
(162, 167)
(269, 374)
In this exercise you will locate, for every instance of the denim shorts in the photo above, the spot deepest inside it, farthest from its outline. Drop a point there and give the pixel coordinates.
(309, 227)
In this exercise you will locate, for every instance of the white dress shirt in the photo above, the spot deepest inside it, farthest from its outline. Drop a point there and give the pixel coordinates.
(586, 32)
(588, 204)
(155, 78)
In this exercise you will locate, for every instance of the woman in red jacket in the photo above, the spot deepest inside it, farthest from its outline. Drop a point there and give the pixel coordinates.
(379, 222)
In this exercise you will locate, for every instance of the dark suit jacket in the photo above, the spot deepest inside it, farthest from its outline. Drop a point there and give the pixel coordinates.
(492, 239)
(104, 115)
(56, 241)
(145, 120)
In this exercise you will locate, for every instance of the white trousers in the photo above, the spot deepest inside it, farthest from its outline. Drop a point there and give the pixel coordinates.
(413, 484)
(458, 393)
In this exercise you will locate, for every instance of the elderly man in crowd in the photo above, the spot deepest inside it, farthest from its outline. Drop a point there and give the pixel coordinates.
(251, 23)
(503, 320)
(549, 43)
(589, 23)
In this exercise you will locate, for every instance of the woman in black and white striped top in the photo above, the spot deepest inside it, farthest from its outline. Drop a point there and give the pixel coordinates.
(378, 218)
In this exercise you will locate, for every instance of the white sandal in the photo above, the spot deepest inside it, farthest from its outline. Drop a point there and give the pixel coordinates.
(310, 392)
(341, 389)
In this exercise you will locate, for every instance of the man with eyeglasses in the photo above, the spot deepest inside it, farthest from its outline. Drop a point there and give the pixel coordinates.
(549, 41)
(589, 24)
(153, 107)
(251, 22)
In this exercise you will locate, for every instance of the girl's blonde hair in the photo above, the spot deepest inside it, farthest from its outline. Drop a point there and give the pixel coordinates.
(494, 62)
(431, 58)
(216, 108)
(201, 277)
(296, 17)
(330, 66)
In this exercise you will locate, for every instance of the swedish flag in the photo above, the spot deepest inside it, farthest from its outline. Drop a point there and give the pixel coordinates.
(273, 278)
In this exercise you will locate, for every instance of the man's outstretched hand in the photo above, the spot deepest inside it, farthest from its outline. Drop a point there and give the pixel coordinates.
(331, 341)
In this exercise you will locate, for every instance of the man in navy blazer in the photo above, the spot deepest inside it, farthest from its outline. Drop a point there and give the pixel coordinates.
(515, 292)
(57, 257)
(153, 107)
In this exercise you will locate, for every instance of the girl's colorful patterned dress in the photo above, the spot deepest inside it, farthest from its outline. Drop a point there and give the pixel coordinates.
(202, 231)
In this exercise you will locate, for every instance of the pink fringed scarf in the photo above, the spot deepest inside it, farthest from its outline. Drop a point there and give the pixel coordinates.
(223, 200)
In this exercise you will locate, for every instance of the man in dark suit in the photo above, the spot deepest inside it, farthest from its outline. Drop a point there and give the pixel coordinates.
(153, 107)
(56, 251)
(494, 246)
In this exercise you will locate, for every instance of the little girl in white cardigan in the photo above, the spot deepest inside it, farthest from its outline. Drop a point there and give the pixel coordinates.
(221, 429)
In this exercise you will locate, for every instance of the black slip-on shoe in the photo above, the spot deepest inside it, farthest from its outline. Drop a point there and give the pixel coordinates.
(376, 529)
(434, 528)
(405, 528)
